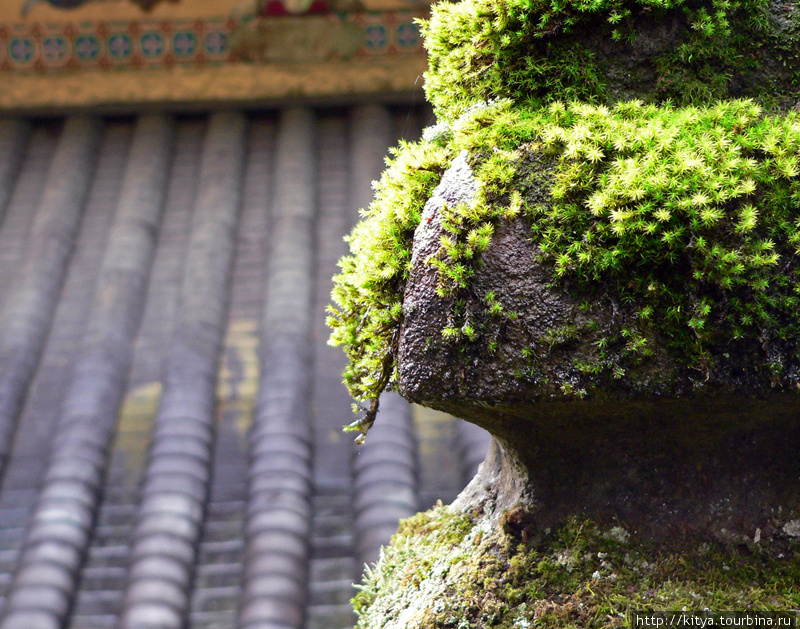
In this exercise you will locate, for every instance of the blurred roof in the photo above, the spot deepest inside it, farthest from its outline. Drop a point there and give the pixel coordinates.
(171, 452)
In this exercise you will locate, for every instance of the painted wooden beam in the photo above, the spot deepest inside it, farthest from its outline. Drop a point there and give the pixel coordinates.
(181, 63)
(392, 79)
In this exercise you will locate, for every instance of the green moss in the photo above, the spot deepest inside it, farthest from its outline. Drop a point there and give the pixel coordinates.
(368, 292)
(538, 51)
(606, 127)
(406, 564)
(447, 570)
(690, 216)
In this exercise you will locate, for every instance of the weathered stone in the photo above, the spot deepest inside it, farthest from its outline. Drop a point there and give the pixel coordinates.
(669, 446)
(609, 288)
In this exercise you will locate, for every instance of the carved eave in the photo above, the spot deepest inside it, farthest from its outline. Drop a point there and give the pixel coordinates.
(183, 62)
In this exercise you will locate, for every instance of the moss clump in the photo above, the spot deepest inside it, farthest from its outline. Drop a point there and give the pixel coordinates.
(538, 51)
(369, 291)
(471, 575)
(690, 216)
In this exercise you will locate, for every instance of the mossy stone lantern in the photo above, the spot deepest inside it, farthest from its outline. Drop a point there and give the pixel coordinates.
(595, 255)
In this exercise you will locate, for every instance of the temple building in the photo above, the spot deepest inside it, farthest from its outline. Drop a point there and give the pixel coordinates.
(176, 178)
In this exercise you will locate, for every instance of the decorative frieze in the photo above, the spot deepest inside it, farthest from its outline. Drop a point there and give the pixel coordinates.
(106, 45)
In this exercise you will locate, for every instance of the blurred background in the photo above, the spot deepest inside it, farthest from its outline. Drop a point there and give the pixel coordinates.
(176, 180)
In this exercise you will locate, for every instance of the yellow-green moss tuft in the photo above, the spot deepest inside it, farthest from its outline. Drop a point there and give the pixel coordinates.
(690, 215)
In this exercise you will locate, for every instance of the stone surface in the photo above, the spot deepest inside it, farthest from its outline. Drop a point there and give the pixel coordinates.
(669, 446)
(629, 69)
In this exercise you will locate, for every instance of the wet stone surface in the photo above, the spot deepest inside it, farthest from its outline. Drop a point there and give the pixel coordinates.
(669, 446)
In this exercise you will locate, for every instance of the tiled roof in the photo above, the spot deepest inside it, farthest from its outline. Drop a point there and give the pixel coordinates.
(171, 451)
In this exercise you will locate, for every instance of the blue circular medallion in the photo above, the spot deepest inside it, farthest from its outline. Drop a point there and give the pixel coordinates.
(87, 47)
(376, 36)
(54, 49)
(120, 46)
(407, 35)
(152, 44)
(21, 50)
(216, 43)
(184, 43)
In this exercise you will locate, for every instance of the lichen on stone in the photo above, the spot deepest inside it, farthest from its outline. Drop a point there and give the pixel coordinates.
(454, 570)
